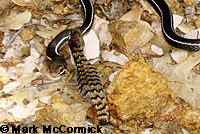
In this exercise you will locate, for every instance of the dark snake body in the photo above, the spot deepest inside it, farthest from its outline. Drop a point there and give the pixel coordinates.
(161, 7)
(89, 81)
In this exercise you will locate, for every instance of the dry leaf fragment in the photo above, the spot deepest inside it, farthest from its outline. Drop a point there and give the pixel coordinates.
(188, 90)
(15, 52)
(186, 28)
(4, 76)
(15, 21)
(46, 99)
(51, 17)
(183, 80)
(20, 111)
(133, 15)
(179, 55)
(91, 48)
(49, 33)
(23, 2)
(194, 34)
(19, 97)
(57, 9)
(146, 131)
(25, 67)
(4, 4)
(110, 56)
(177, 20)
(6, 117)
(60, 113)
(39, 46)
(10, 87)
(197, 22)
(188, 2)
(102, 30)
(176, 72)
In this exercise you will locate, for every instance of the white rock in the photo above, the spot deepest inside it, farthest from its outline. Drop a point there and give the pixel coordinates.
(92, 48)
(157, 50)
(110, 56)
(179, 55)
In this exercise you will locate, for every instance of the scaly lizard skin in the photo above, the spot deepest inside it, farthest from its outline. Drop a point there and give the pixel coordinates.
(89, 81)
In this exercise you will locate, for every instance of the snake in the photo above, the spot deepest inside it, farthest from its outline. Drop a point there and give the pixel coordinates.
(88, 78)
(162, 9)
(89, 82)
(160, 6)
(59, 41)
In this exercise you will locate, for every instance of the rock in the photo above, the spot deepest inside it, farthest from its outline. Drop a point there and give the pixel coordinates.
(129, 35)
(139, 92)
(190, 119)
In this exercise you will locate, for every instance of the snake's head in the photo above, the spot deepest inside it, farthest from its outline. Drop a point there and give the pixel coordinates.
(57, 66)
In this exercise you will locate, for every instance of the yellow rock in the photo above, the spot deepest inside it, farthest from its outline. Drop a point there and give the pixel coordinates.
(190, 119)
(137, 91)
